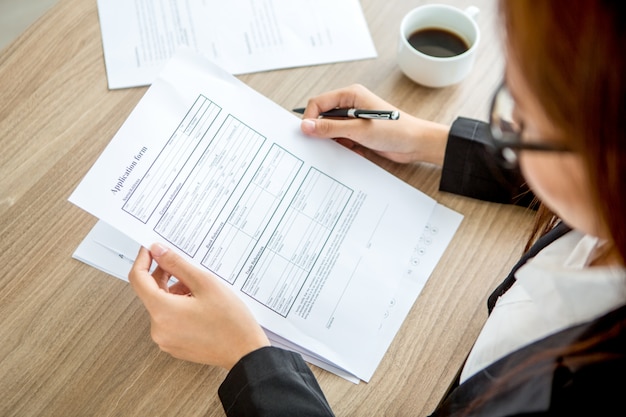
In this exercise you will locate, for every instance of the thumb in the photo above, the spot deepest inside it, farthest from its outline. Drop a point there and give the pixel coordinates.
(140, 279)
(175, 265)
(354, 129)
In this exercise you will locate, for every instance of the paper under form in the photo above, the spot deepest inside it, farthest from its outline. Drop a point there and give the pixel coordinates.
(318, 241)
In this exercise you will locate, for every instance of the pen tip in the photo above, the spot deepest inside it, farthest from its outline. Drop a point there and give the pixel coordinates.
(299, 110)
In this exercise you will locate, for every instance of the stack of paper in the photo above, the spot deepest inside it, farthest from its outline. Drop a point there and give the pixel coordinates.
(328, 250)
(241, 36)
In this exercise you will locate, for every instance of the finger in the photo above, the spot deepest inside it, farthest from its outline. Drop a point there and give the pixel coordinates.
(353, 96)
(140, 278)
(179, 288)
(174, 264)
(353, 146)
(161, 277)
(352, 129)
(346, 143)
(343, 97)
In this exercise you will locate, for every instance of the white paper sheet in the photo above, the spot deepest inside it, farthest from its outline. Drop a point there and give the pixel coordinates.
(112, 252)
(241, 36)
(315, 239)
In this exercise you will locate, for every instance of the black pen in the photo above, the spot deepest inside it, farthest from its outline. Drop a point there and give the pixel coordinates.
(358, 113)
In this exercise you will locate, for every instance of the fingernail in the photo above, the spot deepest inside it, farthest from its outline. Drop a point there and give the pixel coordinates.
(157, 250)
(308, 126)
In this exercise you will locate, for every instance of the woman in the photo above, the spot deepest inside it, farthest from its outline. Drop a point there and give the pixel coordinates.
(554, 342)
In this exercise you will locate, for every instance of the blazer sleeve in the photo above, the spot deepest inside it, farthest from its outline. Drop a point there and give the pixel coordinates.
(471, 167)
(272, 382)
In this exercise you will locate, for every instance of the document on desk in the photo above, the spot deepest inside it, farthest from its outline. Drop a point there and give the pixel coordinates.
(112, 252)
(241, 36)
(315, 239)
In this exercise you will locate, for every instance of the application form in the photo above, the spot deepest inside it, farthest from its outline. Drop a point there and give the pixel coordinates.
(241, 36)
(112, 252)
(316, 240)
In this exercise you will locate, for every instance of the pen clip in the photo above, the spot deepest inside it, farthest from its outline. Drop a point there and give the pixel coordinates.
(376, 114)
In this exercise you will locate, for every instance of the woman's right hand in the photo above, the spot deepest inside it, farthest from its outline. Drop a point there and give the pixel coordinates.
(197, 319)
(408, 139)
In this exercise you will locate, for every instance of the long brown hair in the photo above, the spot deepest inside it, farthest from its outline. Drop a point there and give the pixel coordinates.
(573, 57)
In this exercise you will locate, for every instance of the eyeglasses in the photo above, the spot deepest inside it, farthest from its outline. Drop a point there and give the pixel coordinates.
(507, 130)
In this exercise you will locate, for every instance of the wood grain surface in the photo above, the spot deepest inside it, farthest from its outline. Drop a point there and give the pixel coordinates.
(76, 342)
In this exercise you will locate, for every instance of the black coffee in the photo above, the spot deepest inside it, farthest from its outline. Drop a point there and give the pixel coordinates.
(438, 42)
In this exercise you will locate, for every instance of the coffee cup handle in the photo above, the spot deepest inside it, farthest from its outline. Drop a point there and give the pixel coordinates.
(472, 12)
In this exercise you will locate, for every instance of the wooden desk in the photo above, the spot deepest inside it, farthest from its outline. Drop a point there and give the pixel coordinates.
(76, 342)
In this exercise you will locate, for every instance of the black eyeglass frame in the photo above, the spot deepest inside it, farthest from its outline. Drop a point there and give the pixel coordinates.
(507, 142)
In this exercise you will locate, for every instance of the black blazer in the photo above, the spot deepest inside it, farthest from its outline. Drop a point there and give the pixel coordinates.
(545, 378)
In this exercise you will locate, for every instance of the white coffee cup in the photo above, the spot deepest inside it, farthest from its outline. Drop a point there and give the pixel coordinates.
(433, 71)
